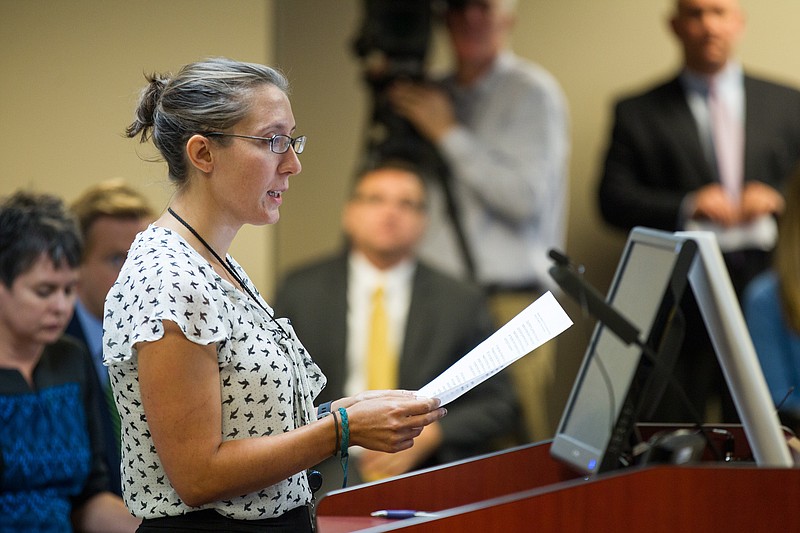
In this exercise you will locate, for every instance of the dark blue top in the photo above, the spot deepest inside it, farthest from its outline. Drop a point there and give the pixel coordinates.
(777, 345)
(50, 441)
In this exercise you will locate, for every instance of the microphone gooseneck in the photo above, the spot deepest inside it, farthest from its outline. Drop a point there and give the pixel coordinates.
(574, 285)
(558, 257)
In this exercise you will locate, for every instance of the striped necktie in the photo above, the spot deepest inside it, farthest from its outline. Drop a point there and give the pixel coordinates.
(728, 140)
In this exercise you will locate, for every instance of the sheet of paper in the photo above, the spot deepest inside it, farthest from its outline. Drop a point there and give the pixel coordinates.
(535, 325)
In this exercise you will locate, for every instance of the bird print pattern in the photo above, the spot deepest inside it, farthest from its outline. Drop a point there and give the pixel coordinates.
(267, 380)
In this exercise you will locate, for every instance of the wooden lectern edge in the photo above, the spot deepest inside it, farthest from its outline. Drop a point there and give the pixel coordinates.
(453, 484)
(556, 477)
(672, 479)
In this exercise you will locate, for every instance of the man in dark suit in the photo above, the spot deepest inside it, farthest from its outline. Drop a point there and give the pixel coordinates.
(434, 319)
(109, 214)
(709, 149)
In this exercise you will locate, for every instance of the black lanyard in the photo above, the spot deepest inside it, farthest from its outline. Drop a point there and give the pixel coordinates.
(230, 270)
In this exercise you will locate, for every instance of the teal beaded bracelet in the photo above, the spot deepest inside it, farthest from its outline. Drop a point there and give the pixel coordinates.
(345, 443)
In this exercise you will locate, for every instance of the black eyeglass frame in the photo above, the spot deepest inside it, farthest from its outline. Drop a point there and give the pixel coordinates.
(298, 144)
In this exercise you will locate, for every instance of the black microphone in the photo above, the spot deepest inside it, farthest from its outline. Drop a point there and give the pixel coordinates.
(314, 479)
(574, 285)
(559, 258)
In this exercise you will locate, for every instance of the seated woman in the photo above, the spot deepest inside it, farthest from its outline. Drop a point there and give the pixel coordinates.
(52, 477)
(772, 310)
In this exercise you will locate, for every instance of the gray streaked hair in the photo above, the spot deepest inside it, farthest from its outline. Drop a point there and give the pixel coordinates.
(205, 96)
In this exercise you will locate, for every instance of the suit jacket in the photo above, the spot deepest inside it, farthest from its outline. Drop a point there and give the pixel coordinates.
(655, 156)
(447, 318)
(110, 437)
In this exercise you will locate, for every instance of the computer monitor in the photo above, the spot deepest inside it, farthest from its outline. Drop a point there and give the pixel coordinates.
(737, 356)
(617, 381)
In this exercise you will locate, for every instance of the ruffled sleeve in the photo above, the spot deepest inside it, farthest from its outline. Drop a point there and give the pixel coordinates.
(167, 281)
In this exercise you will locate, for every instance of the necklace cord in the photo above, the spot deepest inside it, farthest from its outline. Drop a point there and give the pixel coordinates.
(229, 269)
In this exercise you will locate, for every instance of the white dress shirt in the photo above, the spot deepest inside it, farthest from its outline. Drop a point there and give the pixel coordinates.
(363, 279)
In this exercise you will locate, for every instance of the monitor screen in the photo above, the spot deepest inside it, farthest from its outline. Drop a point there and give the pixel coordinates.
(616, 380)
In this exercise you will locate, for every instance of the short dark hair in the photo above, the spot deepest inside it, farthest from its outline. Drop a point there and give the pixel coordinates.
(390, 163)
(34, 224)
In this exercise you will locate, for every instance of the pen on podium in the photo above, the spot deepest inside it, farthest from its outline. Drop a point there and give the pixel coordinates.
(399, 513)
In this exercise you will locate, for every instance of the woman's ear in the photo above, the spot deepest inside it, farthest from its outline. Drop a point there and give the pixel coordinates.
(198, 151)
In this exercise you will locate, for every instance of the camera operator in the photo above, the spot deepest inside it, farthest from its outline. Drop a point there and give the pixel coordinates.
(500, 124)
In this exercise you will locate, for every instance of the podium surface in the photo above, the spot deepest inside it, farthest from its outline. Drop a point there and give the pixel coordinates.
(525, 489)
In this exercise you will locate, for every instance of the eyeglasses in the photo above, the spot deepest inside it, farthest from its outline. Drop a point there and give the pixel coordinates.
(278, 144)
(406, 205)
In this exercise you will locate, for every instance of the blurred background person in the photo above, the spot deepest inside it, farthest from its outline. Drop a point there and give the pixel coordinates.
(52, 472)
(772, 311)
(109, 215)
(501, 125)
(432, 319)
(709, 149)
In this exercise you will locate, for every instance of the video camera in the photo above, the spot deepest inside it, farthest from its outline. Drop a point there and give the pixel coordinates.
(394, 39)
(393, 44)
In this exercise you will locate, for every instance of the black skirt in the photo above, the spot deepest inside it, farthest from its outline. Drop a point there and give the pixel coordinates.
(296, 520)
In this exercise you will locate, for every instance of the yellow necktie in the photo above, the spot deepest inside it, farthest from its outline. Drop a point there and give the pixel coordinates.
(381, 362)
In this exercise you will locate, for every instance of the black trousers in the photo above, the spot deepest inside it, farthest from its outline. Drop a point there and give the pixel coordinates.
(296, 520)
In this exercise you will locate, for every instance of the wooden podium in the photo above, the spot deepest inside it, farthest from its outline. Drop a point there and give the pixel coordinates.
(525, 489)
